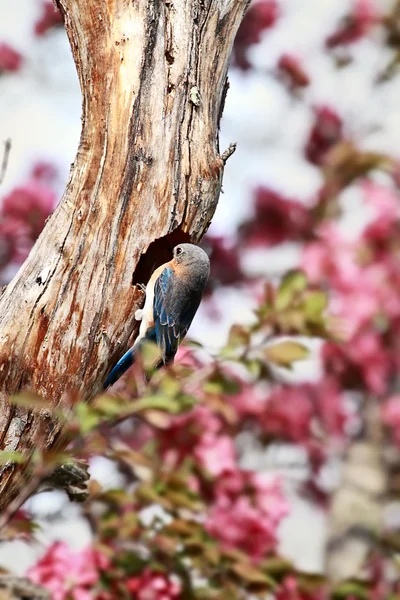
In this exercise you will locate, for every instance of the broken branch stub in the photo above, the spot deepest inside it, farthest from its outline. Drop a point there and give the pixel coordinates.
(148, 168)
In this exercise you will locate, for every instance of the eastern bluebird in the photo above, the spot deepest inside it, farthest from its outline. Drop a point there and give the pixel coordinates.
(173, 295)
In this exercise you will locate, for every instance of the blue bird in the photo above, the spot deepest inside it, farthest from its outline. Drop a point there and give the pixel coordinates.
(173, 296)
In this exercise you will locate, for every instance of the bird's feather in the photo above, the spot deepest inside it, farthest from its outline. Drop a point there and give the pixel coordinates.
(127, 360)
(174, 309)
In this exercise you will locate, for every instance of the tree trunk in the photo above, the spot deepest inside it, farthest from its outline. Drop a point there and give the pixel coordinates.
(356, 519)
(147, 175)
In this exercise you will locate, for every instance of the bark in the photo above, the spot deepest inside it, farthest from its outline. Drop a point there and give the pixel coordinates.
(147, 175)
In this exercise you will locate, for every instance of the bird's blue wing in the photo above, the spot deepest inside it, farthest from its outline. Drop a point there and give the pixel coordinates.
(174, 310)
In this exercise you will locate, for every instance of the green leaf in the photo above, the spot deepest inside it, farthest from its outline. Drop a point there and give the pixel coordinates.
(10, 456)
(252, 575)
(87, 418)
(238, 336)
(293, 283)
(170, 386)
(220, 383)
(285, 353)
(254, 367)
(157, 402)
(150, 353)
(314, 304)
(192, 344)
(350, 589)
(108, 406)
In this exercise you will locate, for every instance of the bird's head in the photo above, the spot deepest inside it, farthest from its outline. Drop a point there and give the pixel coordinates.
(189, 254)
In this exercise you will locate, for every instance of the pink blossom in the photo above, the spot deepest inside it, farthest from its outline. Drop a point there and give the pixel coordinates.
(367, 350)
(67, 574)
(385, 204)
(261, 16)
(225, 262)
(289, 589)
(277, 219)
(198, 434)
(356, 25)
(391, 416)
(291, 67)
(326, 131)
(329, 406)
(152, 585)
(248, 402)
(185, 433)
(238, 524)
(14, 244)
(44, 172)
(215, 453)
(269, 496)
(246, 513)
(31, 204)
(359, 292)
(49, 18)
(288, 413)
(10, 59)
(362, 361)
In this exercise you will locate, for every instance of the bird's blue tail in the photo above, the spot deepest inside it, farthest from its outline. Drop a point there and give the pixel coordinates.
(127, 360)
(120, 368)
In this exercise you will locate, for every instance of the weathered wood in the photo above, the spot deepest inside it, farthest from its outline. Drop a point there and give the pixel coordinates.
(148, 169)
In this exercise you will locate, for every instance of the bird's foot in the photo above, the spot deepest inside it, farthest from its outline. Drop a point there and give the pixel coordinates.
(141, 286)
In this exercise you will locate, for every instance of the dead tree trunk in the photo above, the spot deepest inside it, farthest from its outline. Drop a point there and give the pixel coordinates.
(148, 173)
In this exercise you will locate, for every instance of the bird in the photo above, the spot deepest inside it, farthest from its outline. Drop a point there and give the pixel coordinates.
(173, 295)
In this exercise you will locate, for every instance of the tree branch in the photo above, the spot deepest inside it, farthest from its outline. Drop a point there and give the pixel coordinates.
(146, 176)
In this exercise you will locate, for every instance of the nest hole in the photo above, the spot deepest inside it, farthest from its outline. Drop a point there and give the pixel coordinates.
(158, 253)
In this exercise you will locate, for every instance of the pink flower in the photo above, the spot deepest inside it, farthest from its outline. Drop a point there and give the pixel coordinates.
(14, 244)
(225, 262)
(44, 172)
(290, 411)
(288, 414)
(247, 512)
(152, 585)
(10, 59)
(261, 16)
(291, 67)
(67, 574)
(50, 17)
(385, 203)
(248, 402)
(238, 524)
(391, 416)
(269, 496)
(289, 589)
(186, 432)
(277, 219)
(215, 453)
(31, 204)
(356, 25)
(362, 361)
(198, 434)
(325, 133)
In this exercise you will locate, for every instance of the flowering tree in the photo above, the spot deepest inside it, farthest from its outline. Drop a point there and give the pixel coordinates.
(189, 520)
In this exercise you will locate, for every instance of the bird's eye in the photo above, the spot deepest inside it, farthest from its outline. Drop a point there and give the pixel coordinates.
(179, 250)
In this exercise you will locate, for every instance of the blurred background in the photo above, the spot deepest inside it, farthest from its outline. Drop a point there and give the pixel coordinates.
(314, 183)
